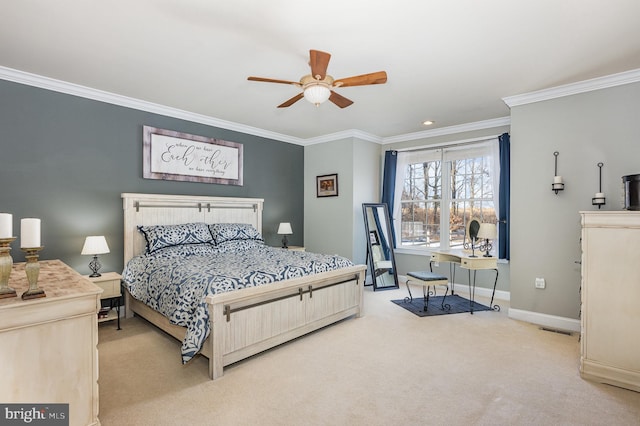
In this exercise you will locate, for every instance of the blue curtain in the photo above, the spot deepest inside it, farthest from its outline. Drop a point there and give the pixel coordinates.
(505, 196)
(389, 186)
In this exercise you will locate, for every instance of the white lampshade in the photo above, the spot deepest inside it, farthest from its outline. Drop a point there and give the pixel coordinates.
(487, 231)
(317, 93)
(95, 245)
(285, 228)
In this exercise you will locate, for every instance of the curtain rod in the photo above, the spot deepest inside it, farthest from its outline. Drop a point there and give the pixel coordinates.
(449, 145)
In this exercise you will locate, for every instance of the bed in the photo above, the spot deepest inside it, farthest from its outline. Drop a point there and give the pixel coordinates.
(246, 321)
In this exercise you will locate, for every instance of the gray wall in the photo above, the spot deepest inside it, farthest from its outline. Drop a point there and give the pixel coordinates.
(335, 224)
(328, 226)
(598, 126)
(66, 160)
(367, 184)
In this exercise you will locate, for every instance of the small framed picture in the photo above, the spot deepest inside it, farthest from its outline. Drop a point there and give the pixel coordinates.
(327, 185)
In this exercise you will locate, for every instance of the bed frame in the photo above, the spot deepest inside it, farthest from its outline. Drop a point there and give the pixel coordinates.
(251, 320)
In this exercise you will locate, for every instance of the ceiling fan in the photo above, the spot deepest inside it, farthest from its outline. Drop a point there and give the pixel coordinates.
(318, 86)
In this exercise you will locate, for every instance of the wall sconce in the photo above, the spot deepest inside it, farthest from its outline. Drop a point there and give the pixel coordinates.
(558, 184)
(599, 200)
(285, 229)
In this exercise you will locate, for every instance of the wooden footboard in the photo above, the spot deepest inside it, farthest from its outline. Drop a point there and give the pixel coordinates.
(252, 320)
(249, 321)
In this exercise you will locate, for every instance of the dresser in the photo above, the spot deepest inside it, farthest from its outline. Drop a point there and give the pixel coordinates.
(48, 346)
(610, 317)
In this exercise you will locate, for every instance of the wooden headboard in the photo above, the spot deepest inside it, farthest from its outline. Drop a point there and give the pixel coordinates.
(156, 209)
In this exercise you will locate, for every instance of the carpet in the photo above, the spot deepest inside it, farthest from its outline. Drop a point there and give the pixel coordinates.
(456, 304)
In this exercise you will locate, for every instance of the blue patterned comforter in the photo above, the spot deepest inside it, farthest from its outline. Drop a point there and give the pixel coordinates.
(175, 280)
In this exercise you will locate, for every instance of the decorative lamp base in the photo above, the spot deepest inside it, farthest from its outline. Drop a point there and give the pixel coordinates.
(95, 266)
(486, 247)
(285, 242)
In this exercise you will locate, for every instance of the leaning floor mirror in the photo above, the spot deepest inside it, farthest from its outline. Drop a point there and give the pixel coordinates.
(381, 261)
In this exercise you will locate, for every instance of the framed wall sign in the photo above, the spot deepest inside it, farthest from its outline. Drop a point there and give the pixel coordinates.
(170, 155)
(327, 185)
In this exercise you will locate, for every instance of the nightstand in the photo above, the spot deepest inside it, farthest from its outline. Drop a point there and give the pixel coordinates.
(110, 283)
(296, 248)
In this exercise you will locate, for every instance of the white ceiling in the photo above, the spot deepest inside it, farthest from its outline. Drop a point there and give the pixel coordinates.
(451, 61)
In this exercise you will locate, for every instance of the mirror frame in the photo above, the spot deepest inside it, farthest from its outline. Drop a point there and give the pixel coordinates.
(469, 245)
(473, 235)
(370, 235)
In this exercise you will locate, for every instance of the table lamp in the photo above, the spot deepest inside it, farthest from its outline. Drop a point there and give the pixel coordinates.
(284, 229)
(488, 231)
(95, 245)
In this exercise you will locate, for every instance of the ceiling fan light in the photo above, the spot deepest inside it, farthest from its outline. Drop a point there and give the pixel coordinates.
(317, 93)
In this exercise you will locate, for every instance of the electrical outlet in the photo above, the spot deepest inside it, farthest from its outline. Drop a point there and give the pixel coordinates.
(540, 283)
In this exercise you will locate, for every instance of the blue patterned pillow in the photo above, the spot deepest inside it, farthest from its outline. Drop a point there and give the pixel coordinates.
(223, 232)
(237, 246)
(161, 236)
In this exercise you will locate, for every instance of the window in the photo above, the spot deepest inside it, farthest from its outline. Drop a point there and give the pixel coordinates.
(441, 190)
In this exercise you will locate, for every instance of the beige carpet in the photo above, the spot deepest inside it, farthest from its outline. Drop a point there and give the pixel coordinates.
(388, 367)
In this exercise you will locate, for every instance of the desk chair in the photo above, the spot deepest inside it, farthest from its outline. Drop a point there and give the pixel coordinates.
(426, 279)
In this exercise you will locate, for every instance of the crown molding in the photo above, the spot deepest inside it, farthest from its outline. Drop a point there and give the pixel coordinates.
(450, 130)
(619, 79)
(125, 101)
(347, 134)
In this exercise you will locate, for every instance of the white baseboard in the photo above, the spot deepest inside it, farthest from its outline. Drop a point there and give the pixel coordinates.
(550, 321)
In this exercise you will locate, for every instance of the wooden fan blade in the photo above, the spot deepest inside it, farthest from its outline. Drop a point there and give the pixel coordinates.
(271, 80)
(379, 77)
(319, 61)
(339, 100)
(291, 101)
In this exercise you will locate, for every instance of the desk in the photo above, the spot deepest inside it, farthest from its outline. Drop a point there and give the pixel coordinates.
(470, 263)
